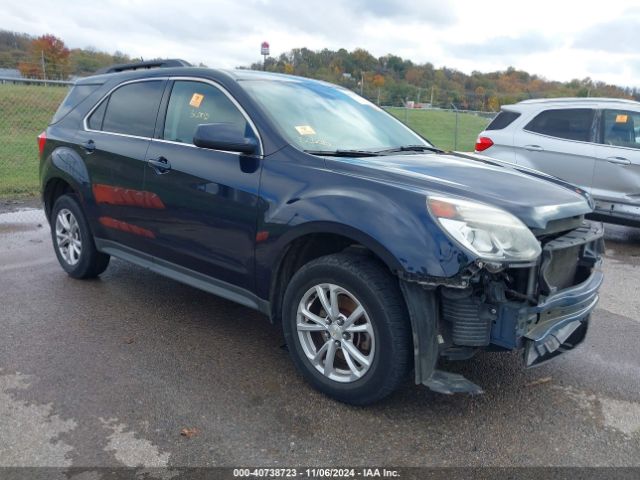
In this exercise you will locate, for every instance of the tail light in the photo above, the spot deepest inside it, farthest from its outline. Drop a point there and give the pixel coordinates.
(483, 143)
(42, 139)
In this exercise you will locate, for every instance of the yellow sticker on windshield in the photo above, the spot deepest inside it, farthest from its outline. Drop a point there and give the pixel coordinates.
(305, 130)
(621, 118)
(196, 100)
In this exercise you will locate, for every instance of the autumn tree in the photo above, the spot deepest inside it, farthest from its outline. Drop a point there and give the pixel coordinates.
(378, 82)
(415, 76)
(494, 104)
(48, 58)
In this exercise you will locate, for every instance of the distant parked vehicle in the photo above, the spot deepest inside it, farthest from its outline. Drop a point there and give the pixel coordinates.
(593, 143)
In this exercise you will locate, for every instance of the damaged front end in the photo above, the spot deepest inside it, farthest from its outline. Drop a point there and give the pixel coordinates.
(541, 307)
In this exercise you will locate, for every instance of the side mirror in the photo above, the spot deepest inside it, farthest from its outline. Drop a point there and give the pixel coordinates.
(224, 136)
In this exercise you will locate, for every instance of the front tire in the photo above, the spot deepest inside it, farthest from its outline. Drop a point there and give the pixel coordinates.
(346, 325)
(73, 242)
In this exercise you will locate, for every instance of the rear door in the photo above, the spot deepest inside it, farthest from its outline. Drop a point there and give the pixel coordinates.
(210, 197)
(559, 142)
(617, 178)
(114, 142)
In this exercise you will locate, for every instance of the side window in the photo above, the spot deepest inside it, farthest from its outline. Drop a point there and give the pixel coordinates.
(621, 128)
(503, 120)
(95, 120)
(132, 109)
(194, 103)
(570, 123)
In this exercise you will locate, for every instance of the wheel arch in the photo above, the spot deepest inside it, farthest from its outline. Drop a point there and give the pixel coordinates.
(54, 188)
(314, 240)
(63, 171)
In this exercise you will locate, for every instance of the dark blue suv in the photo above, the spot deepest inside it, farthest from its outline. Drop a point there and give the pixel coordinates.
(377, 253)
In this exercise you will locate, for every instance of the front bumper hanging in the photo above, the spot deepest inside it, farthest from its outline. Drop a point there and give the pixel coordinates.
(455, 323)
(563, 320)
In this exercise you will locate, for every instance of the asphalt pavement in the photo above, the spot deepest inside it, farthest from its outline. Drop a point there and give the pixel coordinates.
(133, 369)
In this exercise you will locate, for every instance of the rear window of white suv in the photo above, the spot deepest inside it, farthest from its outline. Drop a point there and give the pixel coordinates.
(569, 123)
(502, 120)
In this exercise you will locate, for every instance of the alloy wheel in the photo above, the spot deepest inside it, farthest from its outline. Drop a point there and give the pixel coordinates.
(335, 332)
(68, 239)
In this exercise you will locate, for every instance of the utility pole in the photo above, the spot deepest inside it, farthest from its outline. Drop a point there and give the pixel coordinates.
(362, 84)
(431, 96)
(44, 72)
(455, 135)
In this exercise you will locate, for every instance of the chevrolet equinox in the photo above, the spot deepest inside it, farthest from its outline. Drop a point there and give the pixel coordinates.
(376, 252)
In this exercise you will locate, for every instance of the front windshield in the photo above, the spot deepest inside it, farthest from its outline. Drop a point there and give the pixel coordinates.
(323, 117)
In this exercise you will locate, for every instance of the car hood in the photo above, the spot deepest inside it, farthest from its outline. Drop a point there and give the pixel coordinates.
(532, 196)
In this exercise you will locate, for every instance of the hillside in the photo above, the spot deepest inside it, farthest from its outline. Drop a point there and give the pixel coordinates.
(392, 80)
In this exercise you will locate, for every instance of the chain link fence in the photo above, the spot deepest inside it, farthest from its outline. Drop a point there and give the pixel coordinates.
(26, 107)
(448, 129)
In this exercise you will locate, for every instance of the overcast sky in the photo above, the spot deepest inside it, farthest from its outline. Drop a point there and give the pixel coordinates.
(558, 39)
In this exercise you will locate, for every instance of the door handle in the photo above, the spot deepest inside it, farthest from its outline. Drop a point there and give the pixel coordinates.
(533, 148)
(619, 160)
(160, 165)
(89, 146)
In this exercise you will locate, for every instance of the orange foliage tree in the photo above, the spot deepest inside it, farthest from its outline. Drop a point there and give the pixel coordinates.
(48, 58)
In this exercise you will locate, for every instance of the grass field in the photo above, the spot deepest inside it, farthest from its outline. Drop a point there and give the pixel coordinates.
(439, 126)
(26, 110)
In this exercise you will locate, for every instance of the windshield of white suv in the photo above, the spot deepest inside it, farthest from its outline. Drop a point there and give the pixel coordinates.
(319, 118)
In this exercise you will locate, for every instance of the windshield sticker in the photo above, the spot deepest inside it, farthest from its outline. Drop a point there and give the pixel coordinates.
(621, 118)
(305, 130)
(196, 100)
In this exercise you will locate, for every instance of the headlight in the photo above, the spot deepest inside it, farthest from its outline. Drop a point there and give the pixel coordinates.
(491, 233)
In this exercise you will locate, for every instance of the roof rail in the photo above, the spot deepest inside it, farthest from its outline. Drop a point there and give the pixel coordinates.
(577, 100)
(123, 67)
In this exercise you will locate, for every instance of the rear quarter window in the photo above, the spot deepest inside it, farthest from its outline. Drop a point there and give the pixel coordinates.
(503, 120)
(570, 123)
(76, 95)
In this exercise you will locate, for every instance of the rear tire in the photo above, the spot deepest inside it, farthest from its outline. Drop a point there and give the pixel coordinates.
(73, 241)
(347, 328)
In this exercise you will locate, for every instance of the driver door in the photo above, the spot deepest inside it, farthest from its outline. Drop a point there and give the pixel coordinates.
(210, 197)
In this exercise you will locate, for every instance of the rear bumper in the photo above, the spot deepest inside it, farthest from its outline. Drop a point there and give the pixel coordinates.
(562, 321)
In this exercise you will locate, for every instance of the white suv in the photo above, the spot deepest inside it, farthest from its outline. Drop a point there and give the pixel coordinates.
(591, 142)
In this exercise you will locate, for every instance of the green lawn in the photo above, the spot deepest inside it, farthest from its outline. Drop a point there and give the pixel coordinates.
(439, 126)
(25, 111)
